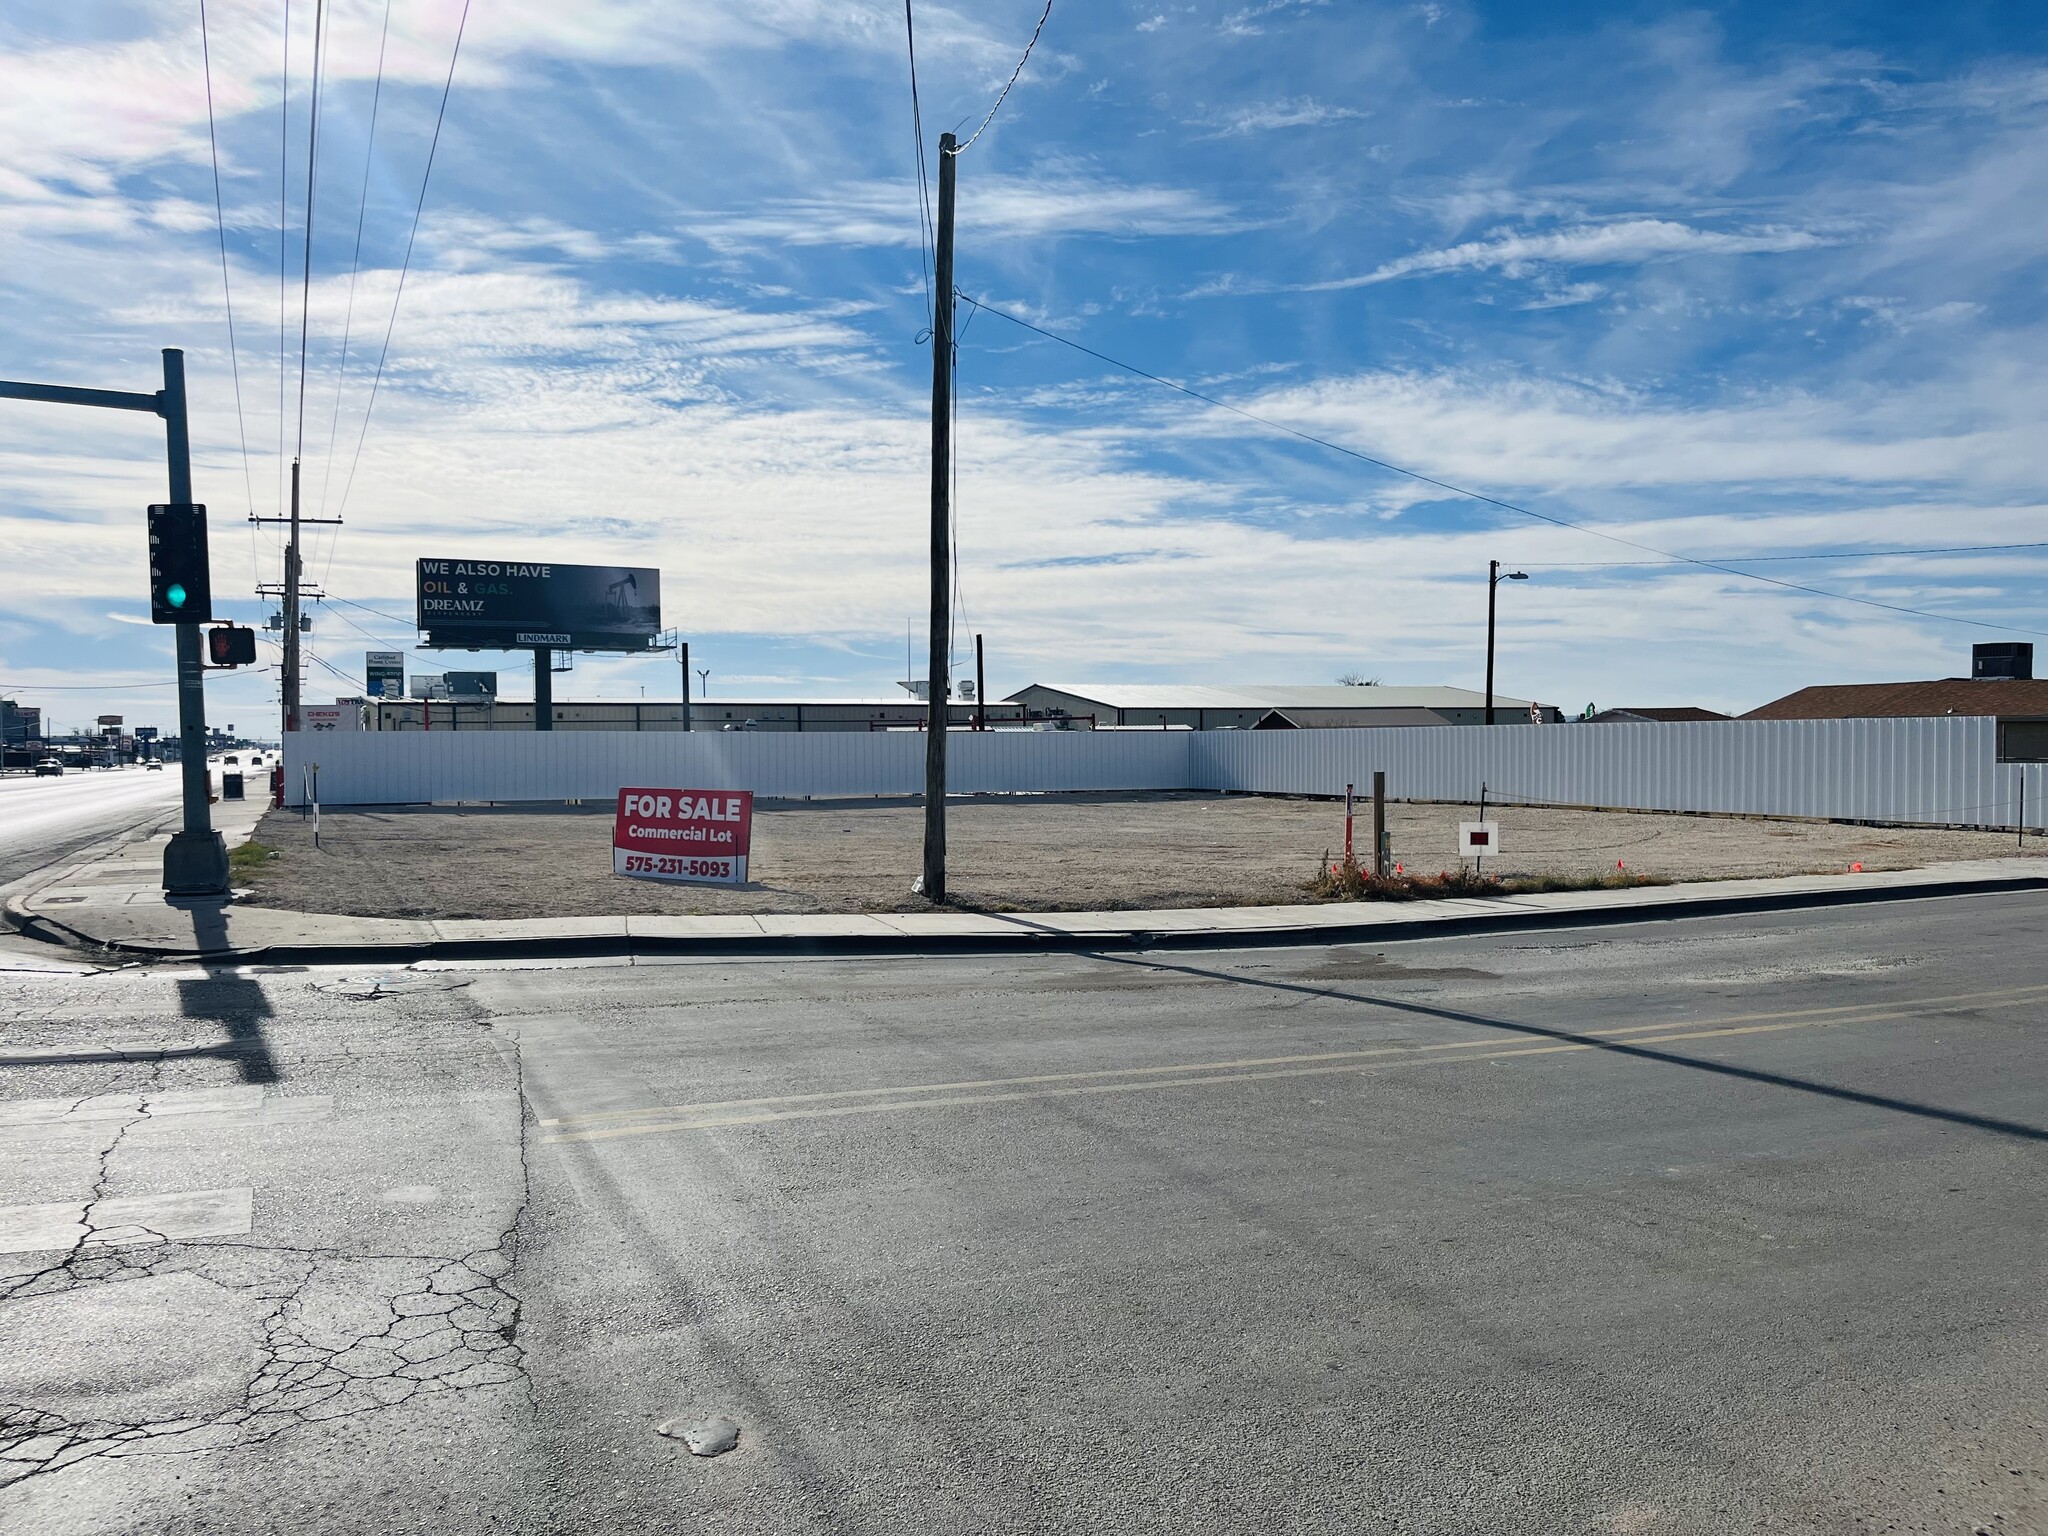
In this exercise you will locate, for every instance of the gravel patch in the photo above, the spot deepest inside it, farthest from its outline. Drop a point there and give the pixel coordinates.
(1083, 852)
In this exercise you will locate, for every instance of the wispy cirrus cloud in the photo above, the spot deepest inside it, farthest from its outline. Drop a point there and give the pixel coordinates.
(884, 213)
(1263, 117)
(1624, 242)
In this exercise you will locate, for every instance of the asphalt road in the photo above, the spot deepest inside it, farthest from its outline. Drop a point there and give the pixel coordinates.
(1701, 1226)
(44, 820)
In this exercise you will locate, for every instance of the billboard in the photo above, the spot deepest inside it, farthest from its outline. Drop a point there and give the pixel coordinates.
(384, 674)
(472, 685)
(330, 717)
(110, 719)
(506, 605)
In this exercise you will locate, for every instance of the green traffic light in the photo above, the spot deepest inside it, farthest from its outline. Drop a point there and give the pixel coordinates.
(175, 595)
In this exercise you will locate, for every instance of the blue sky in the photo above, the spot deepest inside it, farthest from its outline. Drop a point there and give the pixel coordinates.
(1755, 280)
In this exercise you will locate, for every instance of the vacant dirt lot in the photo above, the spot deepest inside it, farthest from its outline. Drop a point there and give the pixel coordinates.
(1044, 853)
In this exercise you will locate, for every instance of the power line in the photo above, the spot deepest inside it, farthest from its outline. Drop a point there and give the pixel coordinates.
(405, 266)
(1840, 554)
(992, 111)
(220, 224)
(1492, 501)
(284, 140)
(355, 265)
(375, 613)
(312, 167)
(88, 687)
(924, 192)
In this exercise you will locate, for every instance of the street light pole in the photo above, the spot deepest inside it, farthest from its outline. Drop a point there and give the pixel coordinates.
(195, 860)
(1493, 580)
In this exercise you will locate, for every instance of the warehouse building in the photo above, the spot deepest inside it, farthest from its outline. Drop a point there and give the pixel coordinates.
(1271, 707)
(491, 714)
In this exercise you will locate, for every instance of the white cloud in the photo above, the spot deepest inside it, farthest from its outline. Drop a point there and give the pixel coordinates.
(1304, 112)
(884, 213)
(1624, 242)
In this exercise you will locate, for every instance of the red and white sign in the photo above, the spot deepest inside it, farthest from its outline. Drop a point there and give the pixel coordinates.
(683, 834)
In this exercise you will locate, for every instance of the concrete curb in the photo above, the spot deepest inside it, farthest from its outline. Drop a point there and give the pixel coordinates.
(1447, 920)
(31, 925)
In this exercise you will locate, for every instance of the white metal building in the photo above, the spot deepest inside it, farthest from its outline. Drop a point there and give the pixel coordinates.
(1275, 707)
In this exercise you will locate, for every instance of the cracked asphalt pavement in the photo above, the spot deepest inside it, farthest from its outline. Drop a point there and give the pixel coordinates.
(1703, 1226)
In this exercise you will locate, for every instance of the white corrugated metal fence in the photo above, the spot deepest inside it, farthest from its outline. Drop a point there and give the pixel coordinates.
(1935, 771)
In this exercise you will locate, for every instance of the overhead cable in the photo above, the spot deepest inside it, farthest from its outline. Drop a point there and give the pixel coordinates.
(355, 265)
(405, 266)
(312, 167)
(1481, 496)
(284, 141)
(924, 192)
(220, 224)
(992, 111)
(1826, 554)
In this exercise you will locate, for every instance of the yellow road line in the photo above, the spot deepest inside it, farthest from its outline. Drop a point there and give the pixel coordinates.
(713, 1116)
(666, 1112)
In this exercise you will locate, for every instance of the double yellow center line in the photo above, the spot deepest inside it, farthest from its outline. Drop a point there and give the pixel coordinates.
(902, 1097)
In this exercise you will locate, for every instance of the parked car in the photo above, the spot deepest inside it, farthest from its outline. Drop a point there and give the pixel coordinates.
(49, 768)
(153, 766)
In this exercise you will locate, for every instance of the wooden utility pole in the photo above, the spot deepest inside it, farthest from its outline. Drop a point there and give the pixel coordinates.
(291, 611)
(940, 689)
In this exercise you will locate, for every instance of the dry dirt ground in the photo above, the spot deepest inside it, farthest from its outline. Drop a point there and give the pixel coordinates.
(1046, 853)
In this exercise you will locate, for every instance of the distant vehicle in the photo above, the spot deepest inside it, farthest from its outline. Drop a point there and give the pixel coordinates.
(49, 768)
(231, 758)
(153, 766)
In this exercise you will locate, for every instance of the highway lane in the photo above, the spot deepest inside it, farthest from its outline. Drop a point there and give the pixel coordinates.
(1697, 1226)
(44, 820)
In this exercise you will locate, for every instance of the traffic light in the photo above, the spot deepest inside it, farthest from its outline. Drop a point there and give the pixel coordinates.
(231, 646)
(180, 583)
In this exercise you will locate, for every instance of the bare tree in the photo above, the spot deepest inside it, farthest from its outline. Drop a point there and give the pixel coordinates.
(1358, 680)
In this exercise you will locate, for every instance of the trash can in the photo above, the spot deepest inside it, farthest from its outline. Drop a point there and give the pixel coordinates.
(231, 786)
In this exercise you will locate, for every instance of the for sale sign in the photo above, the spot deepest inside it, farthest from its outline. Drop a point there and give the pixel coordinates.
(683, 834)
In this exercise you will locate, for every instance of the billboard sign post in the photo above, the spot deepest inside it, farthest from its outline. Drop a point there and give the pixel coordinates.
(700, 836)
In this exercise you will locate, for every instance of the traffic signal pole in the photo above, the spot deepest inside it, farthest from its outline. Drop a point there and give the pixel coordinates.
(196, 860)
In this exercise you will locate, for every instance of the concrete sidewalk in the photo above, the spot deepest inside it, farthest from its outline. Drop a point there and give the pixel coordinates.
(112, 902)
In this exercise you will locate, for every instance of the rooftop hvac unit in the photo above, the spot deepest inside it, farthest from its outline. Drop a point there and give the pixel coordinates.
(2003, 659)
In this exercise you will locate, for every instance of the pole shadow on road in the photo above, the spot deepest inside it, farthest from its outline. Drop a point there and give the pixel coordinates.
(238, 1004)
(2015, 1128)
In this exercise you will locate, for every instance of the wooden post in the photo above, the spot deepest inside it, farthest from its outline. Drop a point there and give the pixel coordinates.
(1379, 822)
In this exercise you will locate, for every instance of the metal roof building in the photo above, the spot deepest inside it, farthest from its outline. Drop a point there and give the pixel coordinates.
(1279, 706)
(1939, 696)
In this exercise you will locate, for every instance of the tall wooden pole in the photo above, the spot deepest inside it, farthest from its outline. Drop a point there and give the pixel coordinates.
(942, 529)
(294, 670)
